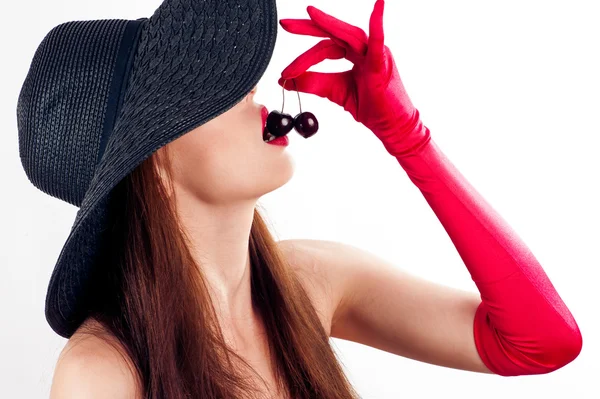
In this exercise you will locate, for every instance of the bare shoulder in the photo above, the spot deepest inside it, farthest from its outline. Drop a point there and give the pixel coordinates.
(320, 264)
(87, 362)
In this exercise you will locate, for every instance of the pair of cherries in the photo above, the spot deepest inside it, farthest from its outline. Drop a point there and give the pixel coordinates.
(279, 123)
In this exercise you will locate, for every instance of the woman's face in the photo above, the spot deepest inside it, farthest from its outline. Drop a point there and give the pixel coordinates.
(227, 160)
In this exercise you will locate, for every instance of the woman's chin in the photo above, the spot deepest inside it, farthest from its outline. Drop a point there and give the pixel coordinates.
(279, 172)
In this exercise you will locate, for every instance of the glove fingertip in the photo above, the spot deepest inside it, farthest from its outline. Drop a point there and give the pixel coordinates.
(286, 80)
(285, 23)
(314, 12)
(286, 75)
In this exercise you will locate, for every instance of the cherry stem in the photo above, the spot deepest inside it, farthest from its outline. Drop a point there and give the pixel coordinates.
(297, 92)
(283, 93)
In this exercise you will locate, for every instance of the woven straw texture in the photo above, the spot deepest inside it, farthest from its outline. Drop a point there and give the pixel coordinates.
(192, 61)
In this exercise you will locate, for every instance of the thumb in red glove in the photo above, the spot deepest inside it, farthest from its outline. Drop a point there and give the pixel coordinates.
(372, 91)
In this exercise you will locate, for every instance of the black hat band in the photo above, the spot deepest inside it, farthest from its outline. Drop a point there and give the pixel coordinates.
(121, 74)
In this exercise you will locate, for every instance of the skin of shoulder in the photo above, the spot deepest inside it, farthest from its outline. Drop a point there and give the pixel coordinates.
(324, 285)
(90, 367)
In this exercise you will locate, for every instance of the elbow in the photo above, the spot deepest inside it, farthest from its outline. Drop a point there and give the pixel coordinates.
(562, 352)
(551, 354)
(544, 358)
(542, 352)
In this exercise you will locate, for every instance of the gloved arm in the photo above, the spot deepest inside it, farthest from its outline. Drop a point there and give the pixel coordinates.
(522, 326)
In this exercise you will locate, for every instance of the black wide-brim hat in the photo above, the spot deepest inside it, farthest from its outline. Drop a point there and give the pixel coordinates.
(101, 96)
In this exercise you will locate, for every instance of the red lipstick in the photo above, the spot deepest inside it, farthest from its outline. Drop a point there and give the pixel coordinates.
(264, 114)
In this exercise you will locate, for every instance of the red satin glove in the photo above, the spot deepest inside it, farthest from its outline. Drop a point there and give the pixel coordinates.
(522, 326)
(372, 91)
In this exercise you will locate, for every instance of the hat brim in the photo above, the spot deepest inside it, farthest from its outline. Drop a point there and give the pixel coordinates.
(191, 65)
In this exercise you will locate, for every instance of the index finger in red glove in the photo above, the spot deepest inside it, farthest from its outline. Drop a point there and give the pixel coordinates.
(325, 49)
(302, 27)
(310, 28)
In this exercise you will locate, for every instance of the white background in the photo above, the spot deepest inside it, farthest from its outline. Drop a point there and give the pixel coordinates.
(510, 92)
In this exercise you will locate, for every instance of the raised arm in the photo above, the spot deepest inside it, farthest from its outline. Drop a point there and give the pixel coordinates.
(521, 326)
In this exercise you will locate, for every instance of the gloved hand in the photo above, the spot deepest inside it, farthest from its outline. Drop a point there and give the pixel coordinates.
(371, 91)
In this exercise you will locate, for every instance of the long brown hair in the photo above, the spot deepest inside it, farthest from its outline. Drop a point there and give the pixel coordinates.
(153, 301)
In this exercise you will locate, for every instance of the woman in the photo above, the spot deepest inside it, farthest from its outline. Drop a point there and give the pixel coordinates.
(170, 284)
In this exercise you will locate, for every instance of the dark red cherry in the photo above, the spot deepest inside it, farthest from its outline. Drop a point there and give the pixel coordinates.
(306, 124)
(279, 124)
